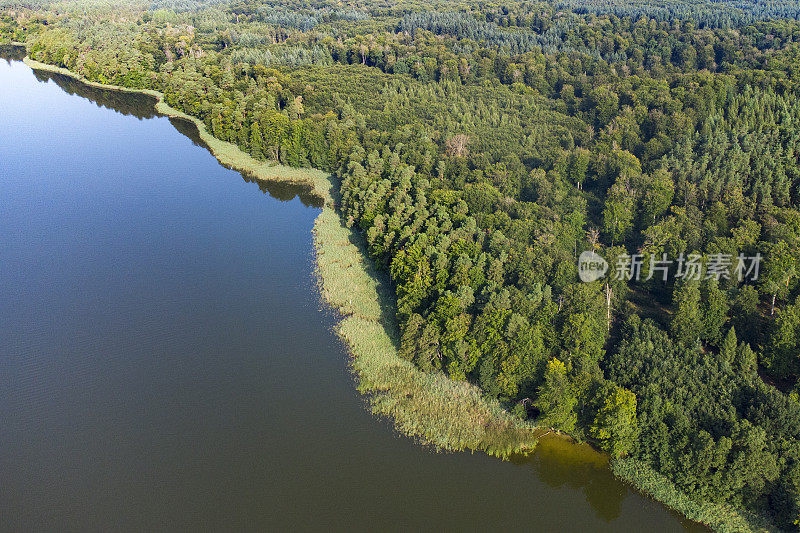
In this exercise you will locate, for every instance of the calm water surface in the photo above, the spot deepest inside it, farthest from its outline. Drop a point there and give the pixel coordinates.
(165, 364)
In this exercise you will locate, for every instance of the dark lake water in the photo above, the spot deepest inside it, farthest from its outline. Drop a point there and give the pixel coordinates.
(165, 362)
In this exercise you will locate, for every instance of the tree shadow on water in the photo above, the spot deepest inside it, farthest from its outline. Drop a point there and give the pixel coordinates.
(10, 52)
(559, 462)
(141, 106)
(280, 190)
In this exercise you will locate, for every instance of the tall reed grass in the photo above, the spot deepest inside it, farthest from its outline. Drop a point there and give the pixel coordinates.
(719, 517)
(447, 414)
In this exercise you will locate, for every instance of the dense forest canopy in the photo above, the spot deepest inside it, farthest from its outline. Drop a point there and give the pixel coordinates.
(480, 148)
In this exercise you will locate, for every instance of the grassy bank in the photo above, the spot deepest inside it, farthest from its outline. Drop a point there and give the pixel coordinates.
(719, 517)
(447, 414)
(430, 407)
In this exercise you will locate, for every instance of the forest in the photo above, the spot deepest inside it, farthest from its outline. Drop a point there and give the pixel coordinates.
(480, 148)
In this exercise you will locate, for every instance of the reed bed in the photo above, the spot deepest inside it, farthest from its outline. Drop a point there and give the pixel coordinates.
(719, 517)
(429, 406)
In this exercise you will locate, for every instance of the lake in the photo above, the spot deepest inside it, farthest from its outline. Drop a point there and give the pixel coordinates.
(166, 362)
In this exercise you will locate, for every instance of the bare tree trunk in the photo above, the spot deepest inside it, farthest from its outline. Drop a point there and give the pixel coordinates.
(609, 292)
(772, 310)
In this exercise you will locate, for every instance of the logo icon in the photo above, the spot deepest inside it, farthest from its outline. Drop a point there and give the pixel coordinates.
(591, 267)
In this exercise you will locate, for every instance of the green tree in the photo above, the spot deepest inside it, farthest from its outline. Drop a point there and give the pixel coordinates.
(728, 348)
(256, 141)
(615, 427)
(657, 196)
(584, 327)
(784, 345)
(604, 103)
(780, 268)
(618, 212)
(687, 321)
(746, 359)
(556, 400)
(578, 166)
(714, 311)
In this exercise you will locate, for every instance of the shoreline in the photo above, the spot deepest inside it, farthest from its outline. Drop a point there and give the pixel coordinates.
(428, 407)
(226, 153)
(432, 408)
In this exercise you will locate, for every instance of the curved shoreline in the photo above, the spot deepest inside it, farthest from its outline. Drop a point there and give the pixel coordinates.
(430, 407)
(440, 412)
